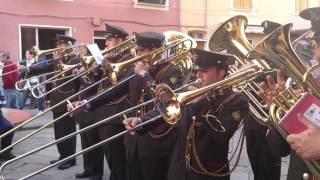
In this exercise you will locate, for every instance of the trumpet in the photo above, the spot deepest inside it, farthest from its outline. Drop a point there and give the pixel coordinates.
(231, 36)
(277, 48)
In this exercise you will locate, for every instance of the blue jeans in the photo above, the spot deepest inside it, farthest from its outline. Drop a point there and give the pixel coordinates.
(23, 98)
(11, 97)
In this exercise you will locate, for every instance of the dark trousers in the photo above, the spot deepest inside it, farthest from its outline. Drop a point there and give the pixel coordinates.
(155, 168)
(114, 151)
(92, 160)
(5, 126)
(264, 165)
(63, 127)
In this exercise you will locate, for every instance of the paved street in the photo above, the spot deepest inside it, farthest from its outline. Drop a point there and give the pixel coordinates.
(41, 159)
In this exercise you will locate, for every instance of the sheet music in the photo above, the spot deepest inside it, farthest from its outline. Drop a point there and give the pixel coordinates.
(96, 53)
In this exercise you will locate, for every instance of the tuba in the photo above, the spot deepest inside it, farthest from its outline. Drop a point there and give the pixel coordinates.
(277, 48)
(231, 36)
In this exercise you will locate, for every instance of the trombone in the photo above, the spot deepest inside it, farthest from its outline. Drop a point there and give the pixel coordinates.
(177, 52)
(277, 48)
(168, 104)
(87, 62)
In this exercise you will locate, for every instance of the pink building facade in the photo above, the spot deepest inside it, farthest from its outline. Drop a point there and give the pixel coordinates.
(25, 23)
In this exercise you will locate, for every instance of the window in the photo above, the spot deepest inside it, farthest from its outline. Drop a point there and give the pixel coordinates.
(301, 5)
(158, 2)
(99, 39)
(243, 4)
(152, 4)
(42, 37)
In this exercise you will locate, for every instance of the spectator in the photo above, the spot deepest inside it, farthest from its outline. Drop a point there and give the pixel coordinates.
(30, 54)
(9, 79)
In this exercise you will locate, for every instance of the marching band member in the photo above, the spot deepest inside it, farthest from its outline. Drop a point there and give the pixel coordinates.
(207, 124)
(144, 160)
(264, 164)
(279, 147)
(115, 151)
(67, 124)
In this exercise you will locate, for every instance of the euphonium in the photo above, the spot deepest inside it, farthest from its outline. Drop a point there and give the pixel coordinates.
(277, 48)
(231, 36)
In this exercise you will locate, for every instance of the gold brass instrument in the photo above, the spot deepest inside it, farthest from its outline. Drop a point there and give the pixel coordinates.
(277, 48)
(231, 36)
(87, 62)
(81, 131)
(179, 52)
(175, 48)
(115, 51)
(184, 63)
(168, 103)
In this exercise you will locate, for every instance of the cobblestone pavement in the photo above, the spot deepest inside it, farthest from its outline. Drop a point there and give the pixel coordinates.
(41, 159)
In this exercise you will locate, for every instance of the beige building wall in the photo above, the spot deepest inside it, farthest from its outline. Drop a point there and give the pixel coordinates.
(207, 15)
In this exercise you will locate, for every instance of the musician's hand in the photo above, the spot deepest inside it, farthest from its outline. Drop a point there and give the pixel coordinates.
(306, 143)
(130, 123)
(271, 88)
(141, 67)
(79, 71)
(75, 108)
(56, 55)
(23, 68)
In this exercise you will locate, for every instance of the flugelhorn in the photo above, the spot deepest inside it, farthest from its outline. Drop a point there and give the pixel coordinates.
(277, 48)
(231, 36)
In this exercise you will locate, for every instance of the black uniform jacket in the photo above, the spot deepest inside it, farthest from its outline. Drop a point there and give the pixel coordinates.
(280, 148)
(206, 137)
(156, 142)
(65, 91)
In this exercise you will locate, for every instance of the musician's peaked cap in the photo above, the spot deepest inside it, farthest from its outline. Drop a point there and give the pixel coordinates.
(116, 31)
(149, 40)
(313, 15)
(206, 59)
(64, 39)
(269, 26)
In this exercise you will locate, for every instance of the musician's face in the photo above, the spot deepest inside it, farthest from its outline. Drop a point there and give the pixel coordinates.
(60, 45)
(143, 51)
(209, 76)
(28, 55)
(112, 41)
